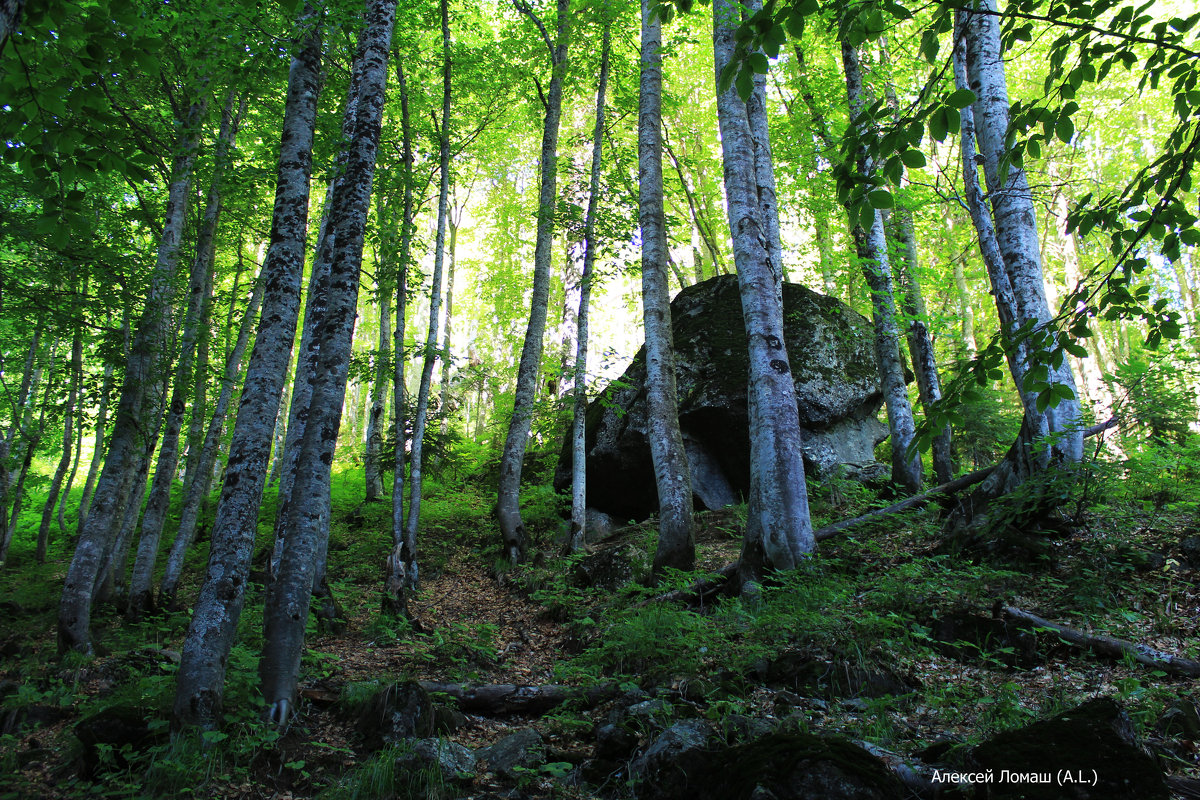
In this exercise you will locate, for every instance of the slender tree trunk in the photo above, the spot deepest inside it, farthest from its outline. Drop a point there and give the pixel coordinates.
(307, 522)
(78, 425)
(778, 528)
(20, 413)
(198, 490)
(672, 477)
(217, 610)
(141, 588)
(577, 535)
(145, 362)
(196, 425)
(435, 297)
(448, 328)
(508, 508)
(43, 539)
(965, 310)
(871, 245)
(401, 568)
(373, 474)
(1016, 232)
(31, 434)
(106, 387)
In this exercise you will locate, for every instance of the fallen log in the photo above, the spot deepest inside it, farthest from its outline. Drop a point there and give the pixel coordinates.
(698, 592)
(507, 698)
(1110, 647)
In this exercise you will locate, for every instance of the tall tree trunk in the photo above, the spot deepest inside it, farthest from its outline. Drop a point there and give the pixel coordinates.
(31, 435)
(435, 296)
(672, 477)
(89, 485)
(196, 425)
(1016, 233)
(401, 568)
(141, 589)
(68, 441)
(448, 327)
(307, 522)
(965, 310)
(372, 473)
(20, 412)
(78, 425)
(578, 532)
(871, 246)
(144, 365)
(198, 490)
(778, 528)
(215, 615)
(508, 507)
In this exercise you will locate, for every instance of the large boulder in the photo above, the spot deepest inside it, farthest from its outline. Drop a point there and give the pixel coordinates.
(831, 350)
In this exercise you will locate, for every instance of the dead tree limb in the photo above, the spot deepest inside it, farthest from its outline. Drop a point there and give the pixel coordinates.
(917, 500)
(1109, 647)
(507, 698)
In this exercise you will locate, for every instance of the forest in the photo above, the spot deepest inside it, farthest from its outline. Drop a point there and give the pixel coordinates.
(584, 399)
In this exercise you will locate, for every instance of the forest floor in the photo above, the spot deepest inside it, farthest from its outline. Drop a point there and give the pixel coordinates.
(885, 639)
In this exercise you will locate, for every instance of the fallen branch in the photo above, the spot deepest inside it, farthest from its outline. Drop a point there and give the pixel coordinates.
(1109, 647)
(507, 698)
(699, 591)
(950, 487)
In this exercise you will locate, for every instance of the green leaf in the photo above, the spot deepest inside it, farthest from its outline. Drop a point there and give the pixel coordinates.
(881, 198)
(929, 46)
(745, 82)
(758, 62)
(937, 126)
(961, 99)
(1065, 129)
(913, 159)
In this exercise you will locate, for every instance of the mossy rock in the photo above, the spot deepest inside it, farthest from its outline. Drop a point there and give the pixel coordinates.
(785, 766)
(831, 353)
(1094, 742)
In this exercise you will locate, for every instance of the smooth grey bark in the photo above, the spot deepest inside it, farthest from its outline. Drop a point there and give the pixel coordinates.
(307, 522)
(31, 437)
(144, 364)
(20, 412)
(778, 527)
(448, 325)
(280, 434)
(78, 425)
(198, 490)
(196, 424)
(575, 540)
(205, 652)
(871, 246)
(373, 474)
(401, 571)
(89, 485)
(965, 309)
(141, 587)
(1015, 220)
(421, 413)
(68, 442)
(672, 477)
(508, 500)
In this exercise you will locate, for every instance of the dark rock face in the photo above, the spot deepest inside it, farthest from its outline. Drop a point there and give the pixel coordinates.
(524, 748)
(1092, 743)
(831, 350)
(400, 711)
(690, 765)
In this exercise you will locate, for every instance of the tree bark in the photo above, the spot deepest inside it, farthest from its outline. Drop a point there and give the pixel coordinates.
(778, 526)
(198, 490)
(421, 413)
(401, 568)
(372, 473)
(31, 435)
(147, 353)
(1016, 232)
(141, 591)
(214, 620)
(577, 535)
(68, 441)
(508, 500)
(106, 387)
(672, 476)
(871, 246)
(307, 521)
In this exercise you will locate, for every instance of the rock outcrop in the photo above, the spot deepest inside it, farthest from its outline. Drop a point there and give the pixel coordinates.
(831, 349)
